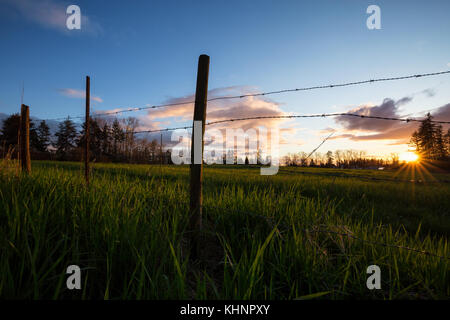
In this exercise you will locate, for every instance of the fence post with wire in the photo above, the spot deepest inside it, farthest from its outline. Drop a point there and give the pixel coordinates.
(87, 130)
(198, 130)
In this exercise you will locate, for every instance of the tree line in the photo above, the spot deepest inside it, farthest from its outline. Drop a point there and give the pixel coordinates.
(110, 141)
(114, 140)
(345, 159)
(430, 142)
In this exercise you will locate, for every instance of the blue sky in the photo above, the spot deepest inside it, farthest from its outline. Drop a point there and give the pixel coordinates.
(145, 52)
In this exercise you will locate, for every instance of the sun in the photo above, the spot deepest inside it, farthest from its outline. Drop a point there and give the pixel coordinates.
(409, 157)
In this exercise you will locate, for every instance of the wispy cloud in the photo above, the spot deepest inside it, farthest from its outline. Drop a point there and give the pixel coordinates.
(51, 14)
(74, 93)
(429, 92)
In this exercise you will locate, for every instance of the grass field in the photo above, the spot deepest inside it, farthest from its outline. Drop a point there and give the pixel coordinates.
(265, 237)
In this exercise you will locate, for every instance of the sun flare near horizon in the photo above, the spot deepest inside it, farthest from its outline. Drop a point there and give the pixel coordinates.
(409, 156)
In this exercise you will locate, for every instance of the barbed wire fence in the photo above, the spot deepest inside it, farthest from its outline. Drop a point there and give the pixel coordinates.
(200, 103)
(290, 116)
(346, 84)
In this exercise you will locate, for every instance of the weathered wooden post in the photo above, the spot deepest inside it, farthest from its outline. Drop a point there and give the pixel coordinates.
(198, 130)
(160, 151)
(24, 139)
(86, 130)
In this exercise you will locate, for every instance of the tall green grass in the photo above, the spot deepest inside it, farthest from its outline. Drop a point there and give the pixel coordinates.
(127, 233)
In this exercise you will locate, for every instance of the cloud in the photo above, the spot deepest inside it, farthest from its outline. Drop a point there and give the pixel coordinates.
(51, 14)
(225, 109)
(80, 94)
(326, 131)
(443, 113)
(429, 92)
(172, 116)
(389, 108)
(363, 129)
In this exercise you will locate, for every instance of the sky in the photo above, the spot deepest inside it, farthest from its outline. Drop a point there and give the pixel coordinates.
(141, 53)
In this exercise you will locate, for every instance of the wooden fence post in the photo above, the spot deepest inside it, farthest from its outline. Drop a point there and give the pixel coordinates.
(160, 151)
(86, 131)
(24, 139)
(201, 93)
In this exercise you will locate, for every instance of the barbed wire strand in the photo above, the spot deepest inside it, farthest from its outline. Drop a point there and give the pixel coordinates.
(333, 85)
(315, 149)
(146, 107)
(323, 115)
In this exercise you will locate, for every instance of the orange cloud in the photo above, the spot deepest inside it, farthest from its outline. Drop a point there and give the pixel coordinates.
(218, 110)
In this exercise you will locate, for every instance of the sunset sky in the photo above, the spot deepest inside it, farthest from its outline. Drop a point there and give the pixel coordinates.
(146, 52)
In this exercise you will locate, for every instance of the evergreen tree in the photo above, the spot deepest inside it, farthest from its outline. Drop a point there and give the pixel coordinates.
(106, 139)
(34, 140)
(66, 136)
(423, 138)
(118, 136)
(10, 130)
(414, 142)
(42, 136)
(95, 137)
(439, 151)
(429, 140)
(447, 142)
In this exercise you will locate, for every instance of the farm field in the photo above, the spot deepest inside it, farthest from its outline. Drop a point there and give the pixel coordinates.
(303, 233)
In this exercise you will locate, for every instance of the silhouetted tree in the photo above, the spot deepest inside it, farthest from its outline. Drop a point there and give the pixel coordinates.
(118, 136)
(42, 137)
(329, 159)
(153, 148)
(106, 139)
(447, 142)
(429, 141)
(10, 130)
(95, 138)
(439, 151)
(66, 136)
